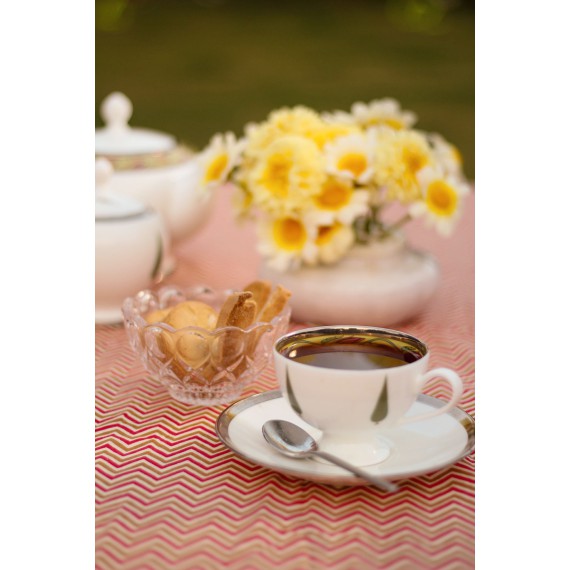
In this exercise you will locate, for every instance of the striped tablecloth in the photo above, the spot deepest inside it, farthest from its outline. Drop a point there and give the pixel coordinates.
(170, 495)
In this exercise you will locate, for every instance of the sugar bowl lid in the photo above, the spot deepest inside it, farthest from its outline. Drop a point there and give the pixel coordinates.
(118, 138)
(110, 205)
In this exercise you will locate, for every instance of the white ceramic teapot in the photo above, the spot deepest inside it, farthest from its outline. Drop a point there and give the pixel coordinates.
(152, 167)
(129, 246)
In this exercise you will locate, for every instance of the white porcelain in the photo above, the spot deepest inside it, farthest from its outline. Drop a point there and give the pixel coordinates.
(423, 447)
(129, 247)
(353, 408)
(380, 284)
(153, 168)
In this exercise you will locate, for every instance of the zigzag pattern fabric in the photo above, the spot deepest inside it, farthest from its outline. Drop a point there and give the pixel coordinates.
(170, 495)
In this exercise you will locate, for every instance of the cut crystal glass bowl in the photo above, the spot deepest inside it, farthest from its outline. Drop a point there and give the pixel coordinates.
(196, 365)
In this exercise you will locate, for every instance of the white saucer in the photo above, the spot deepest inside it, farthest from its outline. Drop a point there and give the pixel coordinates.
(417, 448)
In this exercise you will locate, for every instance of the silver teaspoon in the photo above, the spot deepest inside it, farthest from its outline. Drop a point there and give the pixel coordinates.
(293, 441)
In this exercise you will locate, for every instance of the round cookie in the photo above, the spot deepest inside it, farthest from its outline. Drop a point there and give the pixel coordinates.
(192, 313)
(193, 349)
(157, 316)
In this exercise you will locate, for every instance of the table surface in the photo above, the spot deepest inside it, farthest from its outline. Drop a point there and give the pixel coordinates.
(170, 495)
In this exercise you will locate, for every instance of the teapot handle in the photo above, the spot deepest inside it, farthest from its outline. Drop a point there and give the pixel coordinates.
(103, 173)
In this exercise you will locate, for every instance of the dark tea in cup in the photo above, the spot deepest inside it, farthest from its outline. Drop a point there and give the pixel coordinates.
(355, 351)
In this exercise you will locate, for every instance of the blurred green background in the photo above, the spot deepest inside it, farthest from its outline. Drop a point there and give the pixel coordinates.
(196, 67)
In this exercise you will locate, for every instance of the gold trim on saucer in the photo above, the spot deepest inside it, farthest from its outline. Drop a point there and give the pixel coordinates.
(463, 420)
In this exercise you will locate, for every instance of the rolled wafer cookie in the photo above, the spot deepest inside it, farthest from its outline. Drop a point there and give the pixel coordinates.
(260, 290)
(275, 304)
(232, 312)
(239, 310)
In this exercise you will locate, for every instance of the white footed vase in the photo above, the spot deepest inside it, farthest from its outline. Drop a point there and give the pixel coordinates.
(379, 284)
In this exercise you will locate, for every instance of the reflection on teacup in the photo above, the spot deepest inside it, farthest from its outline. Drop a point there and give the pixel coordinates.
(355, 384)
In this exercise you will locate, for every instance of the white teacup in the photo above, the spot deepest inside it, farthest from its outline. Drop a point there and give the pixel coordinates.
(355, 384)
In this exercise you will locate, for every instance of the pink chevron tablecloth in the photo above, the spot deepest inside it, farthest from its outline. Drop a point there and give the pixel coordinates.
(170, 495)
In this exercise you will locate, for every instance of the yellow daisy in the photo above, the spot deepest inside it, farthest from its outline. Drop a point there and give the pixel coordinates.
(338, 200)
(442, 198)
(383, 113)
(327, 133)
(351, 157)
(286, 176)
(218, 159)
(333, 241)
(400, 155)
(299, 120)
(287, 242)
(378, 113)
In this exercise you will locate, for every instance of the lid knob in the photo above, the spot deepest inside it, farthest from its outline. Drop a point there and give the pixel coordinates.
(118, 139)
(116, 110)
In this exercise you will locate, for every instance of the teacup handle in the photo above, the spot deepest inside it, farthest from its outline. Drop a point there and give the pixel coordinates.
(456, 387)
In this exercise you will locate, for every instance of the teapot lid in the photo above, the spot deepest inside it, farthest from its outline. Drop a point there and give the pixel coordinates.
(109, 205)
(117, 138)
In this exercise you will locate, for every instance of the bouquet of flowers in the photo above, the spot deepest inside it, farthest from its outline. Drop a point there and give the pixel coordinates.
(316, 184)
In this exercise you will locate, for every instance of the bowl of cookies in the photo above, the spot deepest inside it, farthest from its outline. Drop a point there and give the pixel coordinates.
(204, 345)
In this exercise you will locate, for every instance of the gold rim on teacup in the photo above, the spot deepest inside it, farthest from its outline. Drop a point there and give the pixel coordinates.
(323, 336)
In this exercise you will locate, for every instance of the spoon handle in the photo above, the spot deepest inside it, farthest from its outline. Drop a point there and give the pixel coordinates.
(381, 483)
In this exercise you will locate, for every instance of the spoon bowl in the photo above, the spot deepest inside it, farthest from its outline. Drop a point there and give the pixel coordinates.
(293, 441)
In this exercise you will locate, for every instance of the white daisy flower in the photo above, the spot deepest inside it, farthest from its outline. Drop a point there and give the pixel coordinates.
(442, 198)
(287, 242)
(333, 241)
(382, 113)
(338, 201)
(446, 155)
(219, 158)
(351, 157)
(338, 118)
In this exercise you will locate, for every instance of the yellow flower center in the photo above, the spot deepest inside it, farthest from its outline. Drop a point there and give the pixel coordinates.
(414, 159)
(328, 133)
(396, 124)
(216, 168)
(391, 122)
(354, 162)
(276, 174)
(326, 234)
(334, 195)
(289, 234)
(441, 198)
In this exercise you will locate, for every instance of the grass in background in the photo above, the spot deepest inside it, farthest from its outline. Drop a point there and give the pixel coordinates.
(194, 68)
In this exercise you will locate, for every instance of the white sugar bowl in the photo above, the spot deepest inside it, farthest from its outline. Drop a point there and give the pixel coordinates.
(154, 168)
(129, 246)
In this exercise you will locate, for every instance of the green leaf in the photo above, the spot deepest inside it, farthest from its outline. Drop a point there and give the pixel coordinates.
(381, 409)
(158, 260)
(291, 394)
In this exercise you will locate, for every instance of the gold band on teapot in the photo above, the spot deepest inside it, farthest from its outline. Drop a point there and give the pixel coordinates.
(173, 157)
